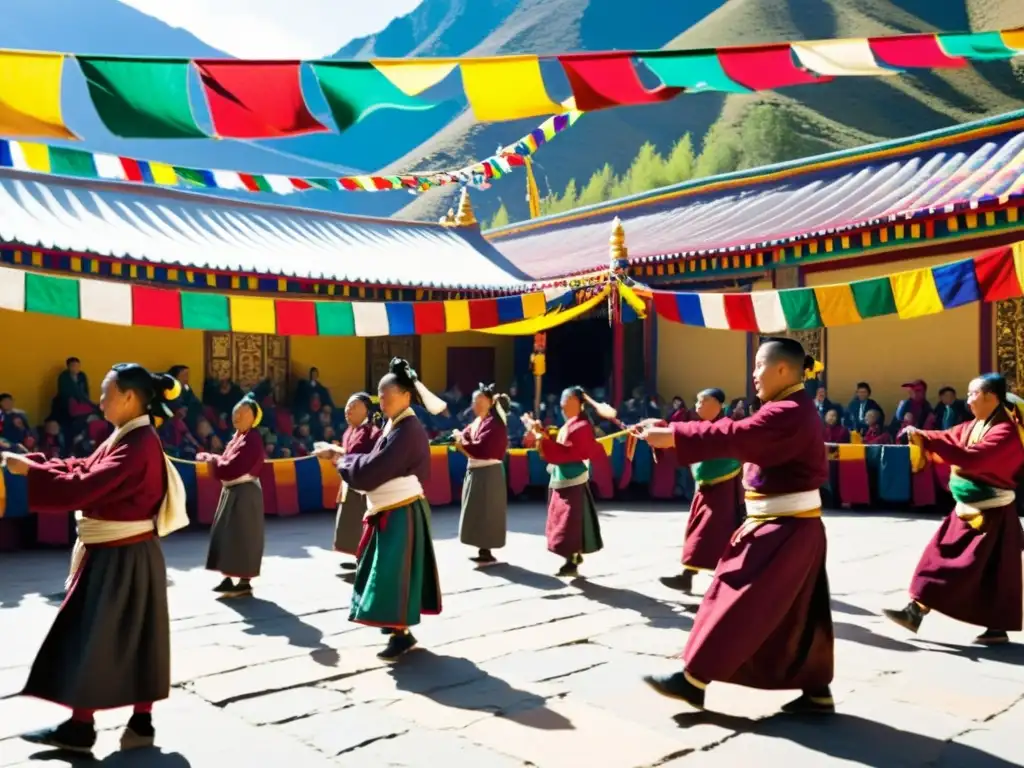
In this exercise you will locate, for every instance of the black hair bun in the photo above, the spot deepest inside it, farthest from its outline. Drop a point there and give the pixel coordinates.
(504, 402)
(487, 389)
(400, 367)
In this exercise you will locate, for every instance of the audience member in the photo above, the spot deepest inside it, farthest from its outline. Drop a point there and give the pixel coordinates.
(188, 400)
(822, 403)
(873, 433)
(950, 411)
(916, 404)
(679, 411)
(835, 432)
(309, 388)
(859, 406)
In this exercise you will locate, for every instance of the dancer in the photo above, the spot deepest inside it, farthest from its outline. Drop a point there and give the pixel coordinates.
(715, 511)
(236, 538)
(109, 645)
(971, 569)
(396, 576)
(573, 529)
(359, 437)
(765, 621)
(484, 491)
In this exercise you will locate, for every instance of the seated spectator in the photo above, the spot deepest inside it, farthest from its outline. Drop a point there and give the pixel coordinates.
(950, 411)
(322, 424)
(822, 403)
(17, 437)
(51, 443)
(8, 410)
(72, 403)
(903, 436)
(873, 432)
(738, 409)
(552, 411)
(302, 442)
(916, 404)
(307, 389)
(678, 411)
(859, 406)
(835, 432)
(188, 400)
(220, 398)
(329, 435)
(177, 438)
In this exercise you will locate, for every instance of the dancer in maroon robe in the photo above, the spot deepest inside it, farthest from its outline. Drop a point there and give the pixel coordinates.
(971, 569)
(573, 528)
(714, 513)
(109, 645)
(359, 438)
(765, 621)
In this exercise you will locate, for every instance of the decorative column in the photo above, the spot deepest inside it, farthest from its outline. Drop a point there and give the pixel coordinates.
(619, 255)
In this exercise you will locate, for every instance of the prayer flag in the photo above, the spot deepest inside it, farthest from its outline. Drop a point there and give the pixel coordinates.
(51, 295)
(506, 88)
(354, 89)
(142, 98)
(873, 297)
(693, 70)
(800, 308)
(915, 293)
(977, 46)
(996, 277)
(335, 318)
(768, 309)
(602, 80)
(251, 314)
(909, 51)
(204, 311)
(414, 76)
(765, 67)
(836, 305)
(956, 283)
(30, 86)
(839, 57)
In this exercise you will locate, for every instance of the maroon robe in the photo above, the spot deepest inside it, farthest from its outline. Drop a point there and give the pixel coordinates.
(877, 436)
(484, 520)
(714, 516)
(836, 433)
(766, 621)
(237, 535)
(109, 645)
(974, 575)
(360, 439)
(405, 450)
(489, 441)
(243, 455)
(571, 511)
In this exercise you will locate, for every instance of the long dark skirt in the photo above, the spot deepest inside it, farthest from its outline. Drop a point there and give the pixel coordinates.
(713, 519)
(973, 575)
(236, 538)
(573, 526)
(348, 525)
(110, 645)
(484, 507)
(766, 621)
(396, 579)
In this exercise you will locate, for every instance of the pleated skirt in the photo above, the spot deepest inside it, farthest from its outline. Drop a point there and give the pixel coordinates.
(573, 526)
(348, 524)
(237, 538)
(484, 519)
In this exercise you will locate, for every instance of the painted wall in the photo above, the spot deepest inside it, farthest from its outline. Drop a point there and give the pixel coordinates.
(36, 346)
(342, 363)
(691, 359)
(434, 356)
(942, 349)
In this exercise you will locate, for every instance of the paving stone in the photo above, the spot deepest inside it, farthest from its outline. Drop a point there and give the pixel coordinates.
(410, 749)
(288, 705)
(346, 730)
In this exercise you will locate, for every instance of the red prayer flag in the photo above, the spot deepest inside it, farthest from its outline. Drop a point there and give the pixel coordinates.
(997, 275)
(665, 304)
(739, 312)
(428, 317)
(132, 172)
(156, 307)
(602, 80)
(483, 313)
(295, 318)
(256, 99)
(299, 183)
(910, 51)
(765, 67)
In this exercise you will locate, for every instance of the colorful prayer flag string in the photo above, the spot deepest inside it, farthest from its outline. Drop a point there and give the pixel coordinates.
(995, 275)
(67, 161)
(130, 303)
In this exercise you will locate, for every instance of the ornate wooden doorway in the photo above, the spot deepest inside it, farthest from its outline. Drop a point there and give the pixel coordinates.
(1010, 342)
(249, 358)
(380, 350)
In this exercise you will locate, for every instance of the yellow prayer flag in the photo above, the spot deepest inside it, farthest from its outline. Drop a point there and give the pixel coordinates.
(1013, 39)
(836, 305)
(30, 95)
(456, 315)
(1018, 262)
(506, 88)
(252, 315)
(37, 156)
(163, 174)
(852, 452)
(915, 294)
(414, 76)
(534, 304)
(607, 444)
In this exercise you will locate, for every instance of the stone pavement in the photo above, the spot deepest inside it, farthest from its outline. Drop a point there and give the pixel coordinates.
(522, 669)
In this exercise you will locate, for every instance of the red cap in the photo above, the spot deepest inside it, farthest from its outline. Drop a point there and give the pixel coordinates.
(916, 384)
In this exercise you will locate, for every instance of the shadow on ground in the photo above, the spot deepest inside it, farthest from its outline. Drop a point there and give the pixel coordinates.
(268, 619)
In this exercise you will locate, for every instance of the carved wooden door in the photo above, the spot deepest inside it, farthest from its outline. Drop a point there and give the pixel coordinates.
(249, 358)
(1010, 342)
(380, 350)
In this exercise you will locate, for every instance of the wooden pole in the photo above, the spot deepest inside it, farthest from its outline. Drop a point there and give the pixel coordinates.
(619, 256)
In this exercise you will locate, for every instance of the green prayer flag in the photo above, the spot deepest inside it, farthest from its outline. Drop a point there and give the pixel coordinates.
(873, 297)
(191, 176)
(142, 98)
(66, 161)
(204, 311)
(693, 70)
(261, 183)
(800, 307)
(335, 318)
(51, 295)
(977, 46)
(354, 89)
(331, 185)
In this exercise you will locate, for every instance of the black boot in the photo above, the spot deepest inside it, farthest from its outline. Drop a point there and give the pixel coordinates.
(484, 558)
(139, 733)
(400, 643)
(811, 703)
(69, 736)
(679, 686)
(225, 586)
(349, 565)
(909, 618)
(568, 569)
(992, 637)
(683, 581)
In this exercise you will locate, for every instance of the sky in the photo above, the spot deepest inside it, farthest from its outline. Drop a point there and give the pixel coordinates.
(279, 29)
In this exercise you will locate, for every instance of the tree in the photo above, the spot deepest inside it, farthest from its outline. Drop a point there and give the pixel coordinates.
(681, 161)
(500, 218)
(597, 189)
(720, 152)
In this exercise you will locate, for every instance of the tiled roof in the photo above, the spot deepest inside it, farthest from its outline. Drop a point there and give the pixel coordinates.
(185, 229)
(782, 203)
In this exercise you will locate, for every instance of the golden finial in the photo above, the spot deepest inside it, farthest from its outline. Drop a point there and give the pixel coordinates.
(448, 220)
(465, 217)
(617, 242)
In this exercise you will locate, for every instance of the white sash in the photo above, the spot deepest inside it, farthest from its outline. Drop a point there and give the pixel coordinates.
(783, 504)
(392, 493)
(477, 463)
(1003, 497)
(240, 481)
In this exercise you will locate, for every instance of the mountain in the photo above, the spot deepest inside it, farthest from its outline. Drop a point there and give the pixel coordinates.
(847, 112)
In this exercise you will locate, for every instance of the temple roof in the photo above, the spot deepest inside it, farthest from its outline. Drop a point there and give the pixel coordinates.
(185, 229)
(781, 203)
